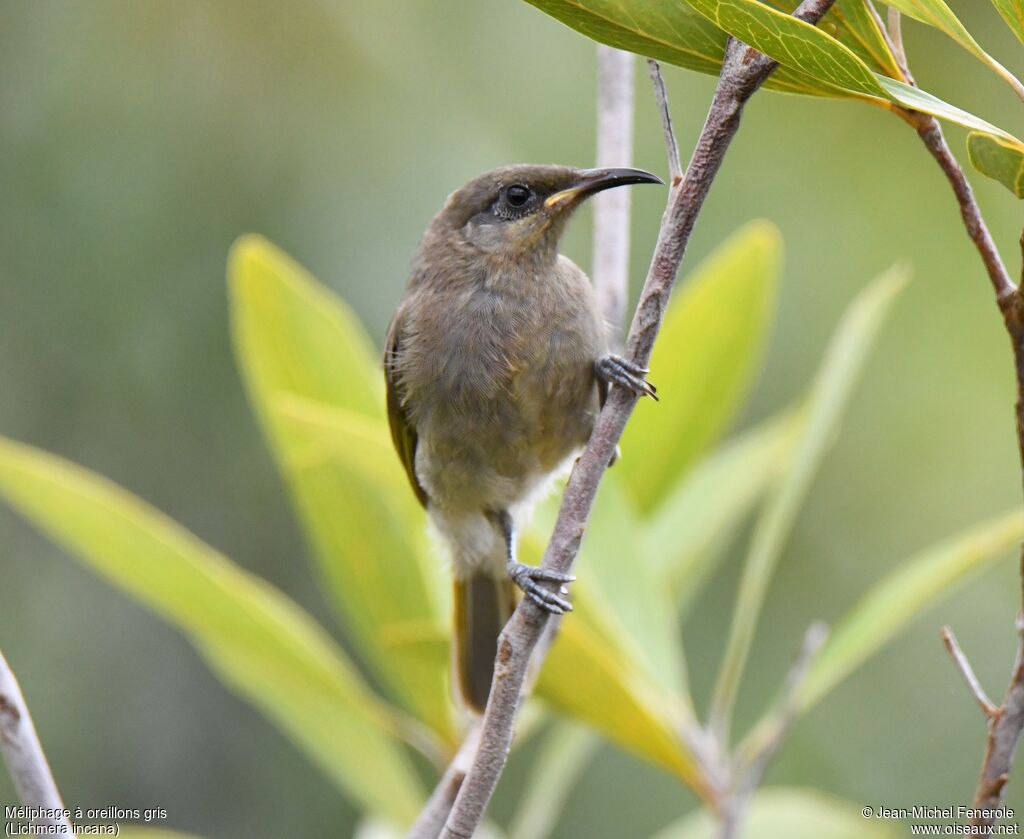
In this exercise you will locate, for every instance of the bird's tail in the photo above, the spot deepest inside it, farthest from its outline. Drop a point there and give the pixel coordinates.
(483, 604)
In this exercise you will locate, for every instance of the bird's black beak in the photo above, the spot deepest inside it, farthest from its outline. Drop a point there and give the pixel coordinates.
(591, 181)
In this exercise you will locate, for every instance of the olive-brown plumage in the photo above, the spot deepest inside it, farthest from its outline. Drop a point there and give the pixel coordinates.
(495, 362)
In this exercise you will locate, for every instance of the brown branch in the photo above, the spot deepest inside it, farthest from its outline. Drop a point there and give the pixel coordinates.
(1004, 731)
(744, 70)
(930, 132)
(970, 678)
(610, 264)
(26, 761)
(1006, 723)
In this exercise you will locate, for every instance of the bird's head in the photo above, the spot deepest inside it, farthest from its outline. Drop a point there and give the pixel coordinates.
(517, 210)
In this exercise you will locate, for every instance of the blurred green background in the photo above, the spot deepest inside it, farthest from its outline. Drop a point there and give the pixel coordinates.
(137, 140)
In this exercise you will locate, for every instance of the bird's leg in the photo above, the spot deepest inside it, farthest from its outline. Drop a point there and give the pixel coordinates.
(530, 578)
(616, 370)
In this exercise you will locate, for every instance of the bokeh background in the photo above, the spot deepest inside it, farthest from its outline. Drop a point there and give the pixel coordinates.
(137, 140)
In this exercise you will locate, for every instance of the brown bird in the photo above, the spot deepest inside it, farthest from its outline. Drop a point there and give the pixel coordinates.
(496, 364)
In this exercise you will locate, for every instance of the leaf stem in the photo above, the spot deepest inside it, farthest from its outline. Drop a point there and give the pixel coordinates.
(988, 708)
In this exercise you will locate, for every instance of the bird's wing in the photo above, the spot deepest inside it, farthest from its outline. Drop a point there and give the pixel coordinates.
(403, 432)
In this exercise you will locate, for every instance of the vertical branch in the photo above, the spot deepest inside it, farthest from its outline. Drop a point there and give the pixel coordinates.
(1005, 723)
(25, 759)
(610, 264)
(744, 70)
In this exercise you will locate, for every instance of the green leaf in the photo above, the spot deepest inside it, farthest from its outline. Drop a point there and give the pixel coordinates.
(895, 600)
(675, 34)
(826, 402)
(920, 100)
(317, 388)
(784, 813)
(851, 23)
(793, 43)
(998, 159)
(257, 640)
(707, 506)
(669, 32)
(1013, 13)
(806, 48)
(704, 362)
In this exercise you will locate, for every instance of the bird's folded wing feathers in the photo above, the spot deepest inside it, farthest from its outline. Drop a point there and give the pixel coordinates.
(403, 432)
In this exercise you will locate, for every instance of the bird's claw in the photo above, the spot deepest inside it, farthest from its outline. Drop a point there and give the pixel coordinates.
(530, 579)
(620, 371)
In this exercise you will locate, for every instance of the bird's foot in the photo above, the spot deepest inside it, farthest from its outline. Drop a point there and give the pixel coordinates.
(530, 579)
(620, 371)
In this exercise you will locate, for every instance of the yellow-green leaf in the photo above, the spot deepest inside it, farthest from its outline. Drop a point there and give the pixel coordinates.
(1013, 13)
(787, 813)
(822, 412)
(257, 640)
(704, 362)
(317, 387)
(921, 581)
(293, 334)
(998, 159)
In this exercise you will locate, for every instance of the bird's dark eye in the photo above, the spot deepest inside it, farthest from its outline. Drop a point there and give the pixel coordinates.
(517, 195)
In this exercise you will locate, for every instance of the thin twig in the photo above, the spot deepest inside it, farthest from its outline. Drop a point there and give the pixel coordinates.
(675, 168)
(25, 759)
(970, 677)
(895, 33)
(751, 768)
(744, 70)
(610, 264)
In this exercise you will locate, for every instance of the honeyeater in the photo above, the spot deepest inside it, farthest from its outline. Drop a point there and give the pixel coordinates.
(496, 364)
